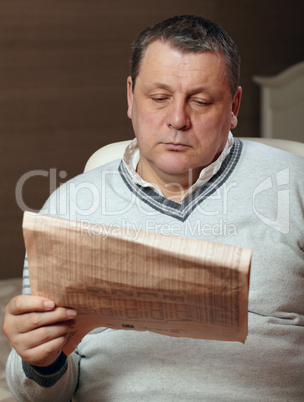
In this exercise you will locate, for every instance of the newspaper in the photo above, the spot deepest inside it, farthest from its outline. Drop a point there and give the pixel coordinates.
(125, 279)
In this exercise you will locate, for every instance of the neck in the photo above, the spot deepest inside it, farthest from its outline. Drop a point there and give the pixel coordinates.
(173, 187)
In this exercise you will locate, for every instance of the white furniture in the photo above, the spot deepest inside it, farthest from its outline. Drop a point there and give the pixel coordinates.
(282, 104)
(106, 154)
(116, 150)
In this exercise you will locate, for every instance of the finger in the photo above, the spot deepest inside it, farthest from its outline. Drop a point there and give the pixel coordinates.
(26, 303)
(39, 336)
(46, 353)
(30, 321)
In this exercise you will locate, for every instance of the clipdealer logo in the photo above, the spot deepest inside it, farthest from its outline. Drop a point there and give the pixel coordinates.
(52, 177)
(275, 187)
(278, 186)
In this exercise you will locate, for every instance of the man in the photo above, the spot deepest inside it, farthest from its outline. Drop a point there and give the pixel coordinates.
(185, 171)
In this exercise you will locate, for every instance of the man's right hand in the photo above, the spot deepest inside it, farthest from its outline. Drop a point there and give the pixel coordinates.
(37, 329)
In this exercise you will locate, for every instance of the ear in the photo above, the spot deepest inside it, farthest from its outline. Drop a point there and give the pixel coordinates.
(130, 97)
(235, 107)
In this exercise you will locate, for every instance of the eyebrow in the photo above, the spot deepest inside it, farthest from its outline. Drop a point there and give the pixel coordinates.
(159, 85)
(162, 85)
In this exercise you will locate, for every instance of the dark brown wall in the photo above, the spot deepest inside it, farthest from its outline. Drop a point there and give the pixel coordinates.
(63, 68)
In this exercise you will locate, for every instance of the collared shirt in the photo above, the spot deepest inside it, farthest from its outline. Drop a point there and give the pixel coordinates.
(132, 156)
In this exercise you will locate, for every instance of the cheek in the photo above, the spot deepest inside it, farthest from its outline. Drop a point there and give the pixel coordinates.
(205, 128)
(213, 124)
(147, 124)
(211, 135)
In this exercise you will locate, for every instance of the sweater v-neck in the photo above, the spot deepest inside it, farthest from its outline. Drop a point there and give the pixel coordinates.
(182, 210)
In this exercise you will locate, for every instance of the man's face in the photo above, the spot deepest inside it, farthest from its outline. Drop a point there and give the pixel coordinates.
(181, 110)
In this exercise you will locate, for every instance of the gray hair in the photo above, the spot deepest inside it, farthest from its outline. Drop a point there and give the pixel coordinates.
(189, 33)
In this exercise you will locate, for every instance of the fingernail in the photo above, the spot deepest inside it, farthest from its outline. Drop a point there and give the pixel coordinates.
(71, 313)
(49, 305)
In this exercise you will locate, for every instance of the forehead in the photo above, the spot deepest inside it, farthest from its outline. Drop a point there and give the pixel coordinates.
(162, 60)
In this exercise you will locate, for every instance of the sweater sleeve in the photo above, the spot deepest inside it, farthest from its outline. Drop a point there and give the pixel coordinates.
(29, 384)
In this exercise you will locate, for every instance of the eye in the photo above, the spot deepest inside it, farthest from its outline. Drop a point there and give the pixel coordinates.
(159, 99)
(201, 102)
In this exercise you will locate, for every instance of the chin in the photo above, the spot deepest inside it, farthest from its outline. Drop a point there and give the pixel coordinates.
(178, 170)
(177, 165)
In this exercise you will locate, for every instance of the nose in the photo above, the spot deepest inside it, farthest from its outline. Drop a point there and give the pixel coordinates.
(177, 117)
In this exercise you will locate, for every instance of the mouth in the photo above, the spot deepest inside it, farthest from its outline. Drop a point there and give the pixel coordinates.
(170, 146)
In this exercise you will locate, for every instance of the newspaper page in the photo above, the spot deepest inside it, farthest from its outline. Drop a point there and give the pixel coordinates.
(124, 279)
